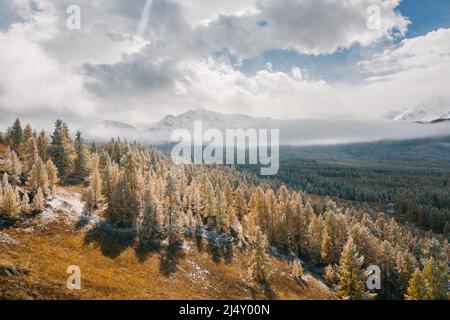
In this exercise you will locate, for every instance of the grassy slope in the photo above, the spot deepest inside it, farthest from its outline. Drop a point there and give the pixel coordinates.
(113, 270)
(33, 264)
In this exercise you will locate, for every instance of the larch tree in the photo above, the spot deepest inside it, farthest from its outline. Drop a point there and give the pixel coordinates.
(259, 269)
(38, 177)
(240, 206)
(13, 167)
(417, 289)
(52, 173)
(31, 154)
(38, 201)
(351, 276)
(25, 206)
(95, 183)
(172, 210)
(11, 206)
(43, 145)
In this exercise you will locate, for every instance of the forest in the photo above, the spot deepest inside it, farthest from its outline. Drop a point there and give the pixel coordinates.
(410, 178)
(136, 187)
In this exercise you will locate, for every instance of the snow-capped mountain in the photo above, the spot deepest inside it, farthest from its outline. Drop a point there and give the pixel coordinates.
(433, 110)
(210, 119)
(162, 130)
(292, 132)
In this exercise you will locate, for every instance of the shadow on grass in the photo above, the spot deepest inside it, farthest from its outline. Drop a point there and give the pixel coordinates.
(111, 240)
(145, 249)
(262, 288)
(170, 257)
(220, 247)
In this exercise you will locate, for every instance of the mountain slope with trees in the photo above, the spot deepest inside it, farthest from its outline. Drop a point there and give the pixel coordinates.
(137, 196)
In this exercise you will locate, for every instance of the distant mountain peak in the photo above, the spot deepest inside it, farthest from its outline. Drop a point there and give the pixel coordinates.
(433, 110)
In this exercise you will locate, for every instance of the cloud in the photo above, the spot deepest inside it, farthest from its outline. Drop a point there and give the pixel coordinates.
(404, 75)
(307, 26)
(31, 81)
(128, 65)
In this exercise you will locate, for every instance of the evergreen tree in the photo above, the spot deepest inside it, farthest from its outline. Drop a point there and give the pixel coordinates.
(24, 145)
(15, 136)
(89, 201)
(123, 209)
(62, 150)
(81, 170)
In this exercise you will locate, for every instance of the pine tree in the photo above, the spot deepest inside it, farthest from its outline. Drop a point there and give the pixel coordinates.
(350, 273)
(81, 158)
(38, 201)
(62, 150)
(15, 136)
(26, 139)
(123, 209)
(417, 288)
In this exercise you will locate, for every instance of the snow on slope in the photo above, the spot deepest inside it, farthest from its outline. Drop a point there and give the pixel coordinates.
(432, 110)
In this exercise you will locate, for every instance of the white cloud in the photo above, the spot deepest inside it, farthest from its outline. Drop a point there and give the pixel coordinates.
(404, 75)
(307, 26)
(30, 80)
(107, 70)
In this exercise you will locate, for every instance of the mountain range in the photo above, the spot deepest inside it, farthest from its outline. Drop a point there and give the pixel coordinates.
(400, 125)
(434, 110)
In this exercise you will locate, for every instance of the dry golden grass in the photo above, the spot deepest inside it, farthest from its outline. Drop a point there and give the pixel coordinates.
(113, 268)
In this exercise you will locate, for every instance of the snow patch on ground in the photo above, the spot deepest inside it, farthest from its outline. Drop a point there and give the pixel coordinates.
(7, 239)
(198, 274)
(67, 207)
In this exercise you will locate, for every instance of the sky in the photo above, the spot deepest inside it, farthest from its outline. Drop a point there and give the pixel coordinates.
(137, 61)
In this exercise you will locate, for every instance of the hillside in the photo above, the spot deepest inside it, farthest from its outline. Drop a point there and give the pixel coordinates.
(35, 254)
